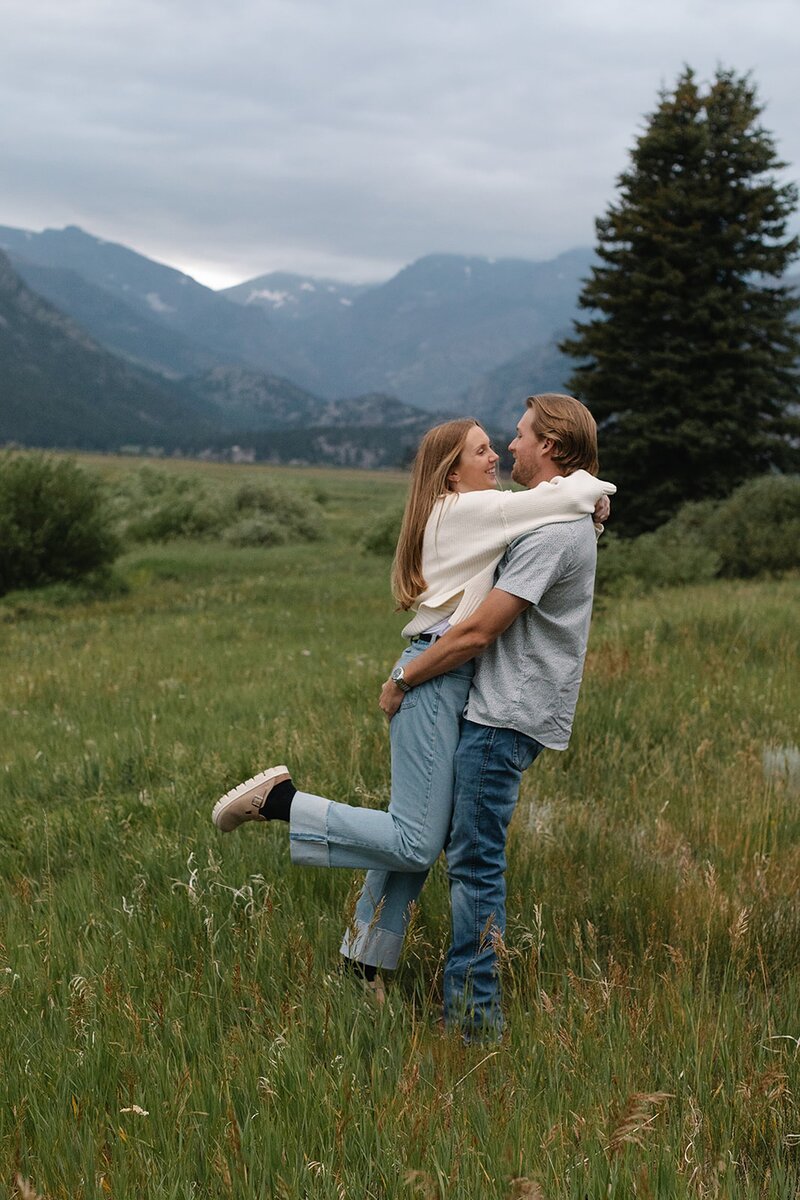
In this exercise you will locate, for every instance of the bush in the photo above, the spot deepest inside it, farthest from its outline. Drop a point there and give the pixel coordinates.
(673, 555)
(53, 523)
(151, 505)
(259, 530)
(298, 517)
(154, 506)
(381, 536)
(756, 531)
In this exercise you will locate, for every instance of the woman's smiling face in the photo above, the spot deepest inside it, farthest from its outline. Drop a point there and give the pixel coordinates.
(475, 469)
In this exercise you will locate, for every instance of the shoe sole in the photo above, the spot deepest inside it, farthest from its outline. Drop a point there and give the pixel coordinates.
(224, 802)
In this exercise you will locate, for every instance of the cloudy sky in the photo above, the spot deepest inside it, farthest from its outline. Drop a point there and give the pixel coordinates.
(349, 137)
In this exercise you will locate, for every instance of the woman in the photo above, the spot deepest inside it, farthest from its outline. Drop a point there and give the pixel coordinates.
(456, 527)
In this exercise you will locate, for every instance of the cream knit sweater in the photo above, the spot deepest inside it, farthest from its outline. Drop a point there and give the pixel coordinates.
(468, 533)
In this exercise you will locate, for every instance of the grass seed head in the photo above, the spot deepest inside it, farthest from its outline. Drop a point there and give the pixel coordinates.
(525, 1189)
(26, 1190)
(636, 1119)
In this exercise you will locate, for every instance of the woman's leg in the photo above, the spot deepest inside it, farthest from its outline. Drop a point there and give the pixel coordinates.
(409, 837)
(375, 935)
(398, 846)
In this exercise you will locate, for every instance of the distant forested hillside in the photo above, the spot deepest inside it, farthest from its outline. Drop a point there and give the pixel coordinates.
(58, 387)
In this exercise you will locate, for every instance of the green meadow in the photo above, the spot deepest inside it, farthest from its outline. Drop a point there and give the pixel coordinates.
(173, 1024)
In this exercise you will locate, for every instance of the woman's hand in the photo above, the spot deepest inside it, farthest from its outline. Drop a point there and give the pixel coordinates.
(390, 699)
(602, 510)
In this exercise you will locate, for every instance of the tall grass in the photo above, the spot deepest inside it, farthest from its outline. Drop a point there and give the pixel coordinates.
(173, 1021)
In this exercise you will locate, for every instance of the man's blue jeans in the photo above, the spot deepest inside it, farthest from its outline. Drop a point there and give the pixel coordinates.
(488, 766)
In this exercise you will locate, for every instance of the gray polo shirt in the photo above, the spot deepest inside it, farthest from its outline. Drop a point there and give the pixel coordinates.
(529, 677)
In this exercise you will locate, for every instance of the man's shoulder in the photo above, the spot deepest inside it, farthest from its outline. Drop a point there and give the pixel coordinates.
(538, 560)
(556, 536)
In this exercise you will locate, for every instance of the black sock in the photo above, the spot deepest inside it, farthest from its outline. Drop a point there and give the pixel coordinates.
(278, 803)
(363, 970)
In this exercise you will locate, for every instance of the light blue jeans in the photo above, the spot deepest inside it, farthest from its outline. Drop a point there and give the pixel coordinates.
(489, 763)
(401, 845)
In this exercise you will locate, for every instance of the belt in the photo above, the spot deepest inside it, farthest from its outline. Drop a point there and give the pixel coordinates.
(426, 637)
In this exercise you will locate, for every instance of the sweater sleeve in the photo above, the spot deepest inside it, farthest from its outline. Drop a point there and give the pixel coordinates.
(468, 533)
(564, 498)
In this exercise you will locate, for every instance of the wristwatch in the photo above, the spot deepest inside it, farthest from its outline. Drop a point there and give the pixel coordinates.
(400, 679)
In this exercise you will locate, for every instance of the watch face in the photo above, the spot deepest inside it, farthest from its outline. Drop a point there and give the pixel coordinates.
(397, 676)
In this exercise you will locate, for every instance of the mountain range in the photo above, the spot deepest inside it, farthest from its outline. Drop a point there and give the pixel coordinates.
(101, 346)
(146, 354)
(60, 388)
(429, 336)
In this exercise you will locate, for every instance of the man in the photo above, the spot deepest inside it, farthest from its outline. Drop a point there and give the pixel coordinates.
(529, 637)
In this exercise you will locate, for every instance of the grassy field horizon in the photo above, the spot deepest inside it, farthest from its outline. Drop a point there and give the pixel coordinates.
(174, 1022)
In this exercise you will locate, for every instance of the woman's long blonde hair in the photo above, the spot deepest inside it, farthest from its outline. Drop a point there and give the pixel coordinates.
(438, 453)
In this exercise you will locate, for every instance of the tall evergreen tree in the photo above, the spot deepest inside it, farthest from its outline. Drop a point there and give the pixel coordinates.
(691, 345)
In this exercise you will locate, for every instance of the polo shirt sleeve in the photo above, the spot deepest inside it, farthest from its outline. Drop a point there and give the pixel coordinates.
(535, 561)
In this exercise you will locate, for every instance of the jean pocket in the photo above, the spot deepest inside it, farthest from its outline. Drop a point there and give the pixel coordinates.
(408, 701)
(524, 751)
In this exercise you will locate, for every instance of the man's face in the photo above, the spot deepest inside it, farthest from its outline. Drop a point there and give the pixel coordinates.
(532, 461)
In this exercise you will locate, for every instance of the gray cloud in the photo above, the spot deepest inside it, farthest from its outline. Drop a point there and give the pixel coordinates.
(351, 138)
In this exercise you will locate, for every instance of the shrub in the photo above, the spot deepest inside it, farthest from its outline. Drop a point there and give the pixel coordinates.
(756, 531)
(152, 505)
(381, 536)
(675, 554)
(259, 530)
(54, 524)
(298, 516)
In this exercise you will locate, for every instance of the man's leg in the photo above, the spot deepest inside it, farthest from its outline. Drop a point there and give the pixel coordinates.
(489, 764)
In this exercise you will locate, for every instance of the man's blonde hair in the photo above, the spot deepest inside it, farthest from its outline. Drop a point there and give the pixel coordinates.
(570, 427)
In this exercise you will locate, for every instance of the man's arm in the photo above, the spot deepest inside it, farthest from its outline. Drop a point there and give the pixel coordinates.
(461, 643)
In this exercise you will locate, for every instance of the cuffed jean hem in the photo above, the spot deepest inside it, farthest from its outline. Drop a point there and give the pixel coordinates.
(372, 946)
(308, 831)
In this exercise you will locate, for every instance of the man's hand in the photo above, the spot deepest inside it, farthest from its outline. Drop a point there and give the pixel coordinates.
(464, 641)
(602, 510)
(390, 699)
